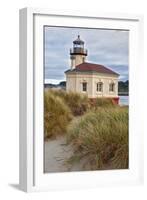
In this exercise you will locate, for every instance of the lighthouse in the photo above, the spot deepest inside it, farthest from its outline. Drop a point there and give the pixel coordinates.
(78, 53)
(94, 80)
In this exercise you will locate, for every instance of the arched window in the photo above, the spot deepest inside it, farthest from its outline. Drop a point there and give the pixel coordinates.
(111, 87)
(99, 87)
(84, 86)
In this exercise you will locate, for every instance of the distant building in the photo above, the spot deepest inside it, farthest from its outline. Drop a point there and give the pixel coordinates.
(95, 80)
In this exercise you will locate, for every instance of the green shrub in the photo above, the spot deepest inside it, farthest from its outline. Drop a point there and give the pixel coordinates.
(101, 136)
(78, 103)
(56, 115)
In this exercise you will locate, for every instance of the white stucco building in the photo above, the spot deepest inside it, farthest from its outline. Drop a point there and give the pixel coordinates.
(92, 79)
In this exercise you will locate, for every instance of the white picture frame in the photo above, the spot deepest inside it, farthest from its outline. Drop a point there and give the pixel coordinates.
(31, 175)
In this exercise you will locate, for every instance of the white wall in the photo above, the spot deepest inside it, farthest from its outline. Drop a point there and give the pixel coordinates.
(9, 98)
(74, 83)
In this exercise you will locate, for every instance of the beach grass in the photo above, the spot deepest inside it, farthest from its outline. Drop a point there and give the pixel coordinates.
(102, 102)
(98, 130)
(101, 136)
(57, 115)
(78, 103)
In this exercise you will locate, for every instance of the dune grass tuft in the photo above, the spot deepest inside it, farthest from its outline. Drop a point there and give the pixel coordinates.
(102, 136)
(56, 115)
(78, 103)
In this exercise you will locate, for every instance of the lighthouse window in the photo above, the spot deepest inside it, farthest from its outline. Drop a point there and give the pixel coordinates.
(84, 86)
(99, 87)
(83, 59)
(111, 87)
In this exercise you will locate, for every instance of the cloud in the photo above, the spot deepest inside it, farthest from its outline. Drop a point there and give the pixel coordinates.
(106, 47)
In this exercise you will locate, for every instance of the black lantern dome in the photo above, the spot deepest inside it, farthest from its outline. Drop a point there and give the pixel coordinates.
(78, 41)
(78, 47)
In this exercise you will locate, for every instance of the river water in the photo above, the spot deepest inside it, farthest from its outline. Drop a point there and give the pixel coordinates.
(124, 100)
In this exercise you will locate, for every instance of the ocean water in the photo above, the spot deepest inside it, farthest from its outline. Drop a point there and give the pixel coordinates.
(124, 100)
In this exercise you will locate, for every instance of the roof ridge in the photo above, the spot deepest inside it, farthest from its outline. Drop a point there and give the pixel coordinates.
(87, 66)
(90, 64)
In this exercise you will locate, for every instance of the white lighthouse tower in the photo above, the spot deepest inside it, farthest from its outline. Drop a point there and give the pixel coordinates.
(94, 80)
(77, 53)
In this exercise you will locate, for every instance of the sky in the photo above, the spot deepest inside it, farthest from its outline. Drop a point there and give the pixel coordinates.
(105, 47)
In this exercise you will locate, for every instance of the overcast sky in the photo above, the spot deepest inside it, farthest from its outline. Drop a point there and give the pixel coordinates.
(106, 47)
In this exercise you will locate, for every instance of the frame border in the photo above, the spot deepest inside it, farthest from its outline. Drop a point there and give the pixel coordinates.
(26, 84)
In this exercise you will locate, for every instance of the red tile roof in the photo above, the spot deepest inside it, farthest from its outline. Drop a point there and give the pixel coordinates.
(91, 67)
